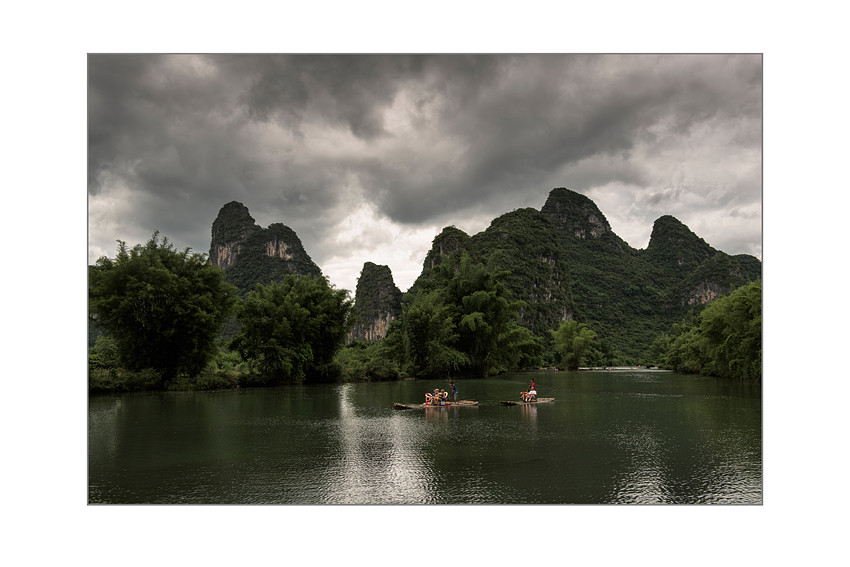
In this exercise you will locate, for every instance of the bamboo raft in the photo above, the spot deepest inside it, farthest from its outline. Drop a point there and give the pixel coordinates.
(521, 403)
(459, 403)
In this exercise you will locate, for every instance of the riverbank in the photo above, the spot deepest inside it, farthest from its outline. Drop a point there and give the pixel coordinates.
(619, 368)
(116, 380)
(105, 380)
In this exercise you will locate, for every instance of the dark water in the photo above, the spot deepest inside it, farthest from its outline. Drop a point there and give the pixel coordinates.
(632, 437)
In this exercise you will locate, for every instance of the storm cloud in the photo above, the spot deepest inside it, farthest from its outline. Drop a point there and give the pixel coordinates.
(367, 157)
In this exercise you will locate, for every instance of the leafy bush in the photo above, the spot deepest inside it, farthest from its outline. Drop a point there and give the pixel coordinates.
(161, 308)
(291, 331)
(121, 380)
(572, 341)
(365, 360)
(724, 339)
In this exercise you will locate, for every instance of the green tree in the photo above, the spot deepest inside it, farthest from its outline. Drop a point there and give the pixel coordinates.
(367, 360)
(724, 340)
(162, 308)
(571, 341)
(104, 353)
(292, 329)
(730, 333)
(686, 352)
(484, 317)
(429, 334)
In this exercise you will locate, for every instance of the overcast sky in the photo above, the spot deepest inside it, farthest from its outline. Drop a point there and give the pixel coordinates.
(367, 158)
(684, 137)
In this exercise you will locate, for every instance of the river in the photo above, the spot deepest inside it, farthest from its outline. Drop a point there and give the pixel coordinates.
(610, 437)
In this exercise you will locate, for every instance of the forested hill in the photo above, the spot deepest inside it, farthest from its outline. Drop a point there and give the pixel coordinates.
(250, 254)
(630, 296)
(525, 243)
(565, 263)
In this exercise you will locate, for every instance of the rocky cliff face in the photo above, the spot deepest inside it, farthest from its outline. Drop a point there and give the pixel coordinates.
(377, 301)
(224, 255)
(714, 277)
(230, 230)
(703, 294)
(250, 254)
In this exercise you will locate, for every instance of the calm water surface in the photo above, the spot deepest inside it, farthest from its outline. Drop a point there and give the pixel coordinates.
(631, 437)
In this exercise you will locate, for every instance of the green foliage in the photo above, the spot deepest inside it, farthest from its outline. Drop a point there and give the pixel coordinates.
(488, 302)
(161, 308)
(631, 297)
(751, 265)
(675, 250)
(488, 325)
(122, 380)
(254, 266)
(291, 330)
(104, 353)
(222, 372)
(723, 340)
(572, 340)
(367, 360)
(451, 240)
(525, 244)
(428, 336)
(463, 319)
(719, 272)
(233, 224)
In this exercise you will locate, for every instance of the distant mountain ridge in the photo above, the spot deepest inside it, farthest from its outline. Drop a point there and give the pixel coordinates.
(565, 262)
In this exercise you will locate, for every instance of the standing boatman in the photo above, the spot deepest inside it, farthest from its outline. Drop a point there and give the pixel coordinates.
(454, 389)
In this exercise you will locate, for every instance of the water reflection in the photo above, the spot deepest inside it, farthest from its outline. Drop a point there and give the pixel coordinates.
(529, 416)
(378, 464)
(104, 439)
(103, 429)
(646, 480)
(436, 415)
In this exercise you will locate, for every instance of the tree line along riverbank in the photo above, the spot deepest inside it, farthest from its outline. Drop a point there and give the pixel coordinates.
(166, 319)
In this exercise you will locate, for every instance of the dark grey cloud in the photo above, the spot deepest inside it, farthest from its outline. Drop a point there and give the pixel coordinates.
(423, 139)
(349, 91)
(539, 114)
